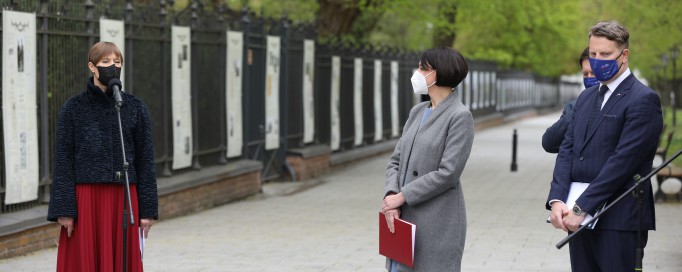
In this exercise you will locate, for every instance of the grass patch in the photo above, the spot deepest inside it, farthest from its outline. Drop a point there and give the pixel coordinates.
(676, 142)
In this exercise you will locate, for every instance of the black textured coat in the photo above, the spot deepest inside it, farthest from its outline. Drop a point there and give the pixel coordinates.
(88, 150)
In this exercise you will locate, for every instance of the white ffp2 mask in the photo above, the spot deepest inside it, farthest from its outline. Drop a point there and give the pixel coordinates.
(419, 85)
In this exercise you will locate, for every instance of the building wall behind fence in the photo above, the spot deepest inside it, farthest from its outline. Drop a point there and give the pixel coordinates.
(67, 29)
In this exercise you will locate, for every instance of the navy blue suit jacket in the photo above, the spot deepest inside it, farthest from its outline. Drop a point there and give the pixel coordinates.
(554, 135)
(620, 144)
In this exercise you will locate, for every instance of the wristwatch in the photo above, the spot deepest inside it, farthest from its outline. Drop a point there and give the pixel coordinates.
(577, 211)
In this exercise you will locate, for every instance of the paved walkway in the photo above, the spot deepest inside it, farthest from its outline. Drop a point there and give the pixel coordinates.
(333, 226)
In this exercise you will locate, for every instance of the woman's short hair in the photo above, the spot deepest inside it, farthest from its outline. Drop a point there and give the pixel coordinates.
(451, 67)
(103, 49)
(613, 31)
(585, 55)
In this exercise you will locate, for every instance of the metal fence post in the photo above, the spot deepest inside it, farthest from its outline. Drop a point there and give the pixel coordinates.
(195, 94)
(164, 88)
(44, 120)
(246, 69)
(222, 158)
(89, 6)
(283, 92)
(129, 46)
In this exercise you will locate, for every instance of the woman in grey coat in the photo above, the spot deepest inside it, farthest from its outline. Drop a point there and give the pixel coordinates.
(422, 177)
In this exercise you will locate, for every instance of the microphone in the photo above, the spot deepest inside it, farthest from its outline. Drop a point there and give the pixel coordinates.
(115, 86)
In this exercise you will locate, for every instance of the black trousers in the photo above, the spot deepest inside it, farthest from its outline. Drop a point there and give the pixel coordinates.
(604, 250)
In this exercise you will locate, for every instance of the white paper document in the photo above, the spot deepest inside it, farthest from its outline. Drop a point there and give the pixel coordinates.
(140, 232)
(577, 189)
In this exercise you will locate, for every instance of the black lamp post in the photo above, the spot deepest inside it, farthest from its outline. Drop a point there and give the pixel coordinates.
(674, 53)
(664, 65)
(656, 69)
(657, 82)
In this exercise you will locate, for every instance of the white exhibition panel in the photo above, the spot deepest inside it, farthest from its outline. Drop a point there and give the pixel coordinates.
(308, 94)
(181, 96)
(378, 116)
(357, 101)
(114, 31)
(233, 97)
(394, 99)
(272, 93)
(335, 134)
(19, 107)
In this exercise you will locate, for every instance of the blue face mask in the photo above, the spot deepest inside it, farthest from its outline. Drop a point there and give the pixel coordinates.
(604, 70)
(590, 81)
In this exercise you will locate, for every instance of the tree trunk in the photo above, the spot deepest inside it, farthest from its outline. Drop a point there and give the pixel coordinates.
(336, 17)
(443, 35)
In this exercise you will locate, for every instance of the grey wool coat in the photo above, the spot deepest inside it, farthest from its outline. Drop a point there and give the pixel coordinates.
(431, 159)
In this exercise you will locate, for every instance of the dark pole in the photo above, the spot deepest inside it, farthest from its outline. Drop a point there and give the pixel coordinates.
(89, 7)
(283, 97)
(127, 203)
(664, 62)
(674, 51)
(129, 46)
(44, 123)
(246, 65)
(514, 167)
(223, 105)
(193, 88)
(164, 88)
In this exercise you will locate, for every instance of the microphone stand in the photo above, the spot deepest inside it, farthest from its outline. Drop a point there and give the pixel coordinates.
(639, 194)
(126, 192)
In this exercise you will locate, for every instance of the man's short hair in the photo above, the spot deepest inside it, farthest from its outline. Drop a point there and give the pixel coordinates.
(613, 31)
(450, 66)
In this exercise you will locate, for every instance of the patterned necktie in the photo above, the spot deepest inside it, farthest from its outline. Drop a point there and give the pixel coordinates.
(597, 106)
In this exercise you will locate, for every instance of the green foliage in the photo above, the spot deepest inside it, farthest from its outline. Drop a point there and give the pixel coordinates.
(543, 36)
(535, 35)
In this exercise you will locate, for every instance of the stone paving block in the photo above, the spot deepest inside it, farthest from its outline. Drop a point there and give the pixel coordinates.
(332, 224)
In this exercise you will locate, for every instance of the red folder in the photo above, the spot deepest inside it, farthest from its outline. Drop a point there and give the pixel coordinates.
(398, 246)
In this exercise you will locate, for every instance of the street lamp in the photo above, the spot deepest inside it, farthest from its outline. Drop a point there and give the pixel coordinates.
(657, 81)
(674, 52)
(656, 69)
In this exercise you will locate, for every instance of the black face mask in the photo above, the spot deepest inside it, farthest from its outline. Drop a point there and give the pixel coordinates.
(107, 73)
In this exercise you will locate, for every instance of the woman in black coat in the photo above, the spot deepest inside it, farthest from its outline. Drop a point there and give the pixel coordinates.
(87, 195)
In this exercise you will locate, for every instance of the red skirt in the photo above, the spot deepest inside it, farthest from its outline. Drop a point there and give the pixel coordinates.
(95, 243)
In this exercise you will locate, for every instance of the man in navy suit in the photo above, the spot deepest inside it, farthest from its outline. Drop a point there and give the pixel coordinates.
(612, 138)
(554, 135)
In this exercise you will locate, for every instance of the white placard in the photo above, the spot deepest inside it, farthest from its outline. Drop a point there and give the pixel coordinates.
(114, 31)
(394, 99)
(357, 101)
(181, 61)
(233, 83)
(272, 67)
(378, 116)
(308, 95)
(475, 90)
(19, 107)
(335, 134)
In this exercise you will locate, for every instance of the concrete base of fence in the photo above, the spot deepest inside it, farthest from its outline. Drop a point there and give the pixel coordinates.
(520, 115)
(212, 186)
(26, 231)
(488, 121)
(309, 161)
(343, 158)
